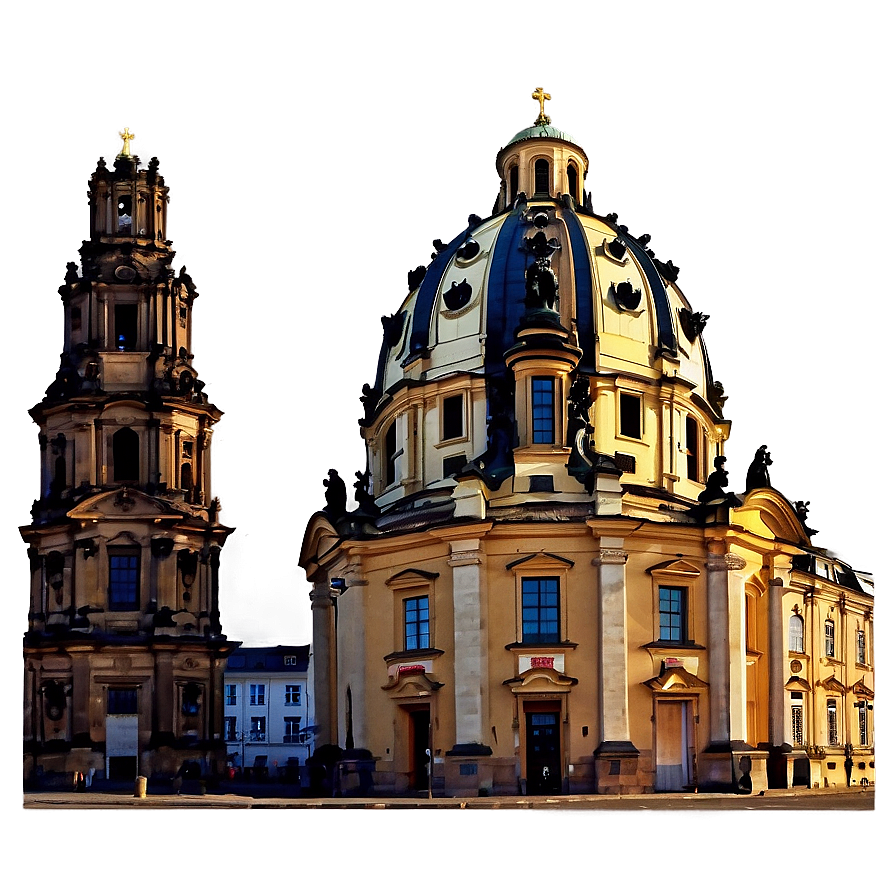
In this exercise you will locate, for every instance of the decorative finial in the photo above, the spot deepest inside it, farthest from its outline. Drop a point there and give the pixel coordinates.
(541, 96)
(127, 136)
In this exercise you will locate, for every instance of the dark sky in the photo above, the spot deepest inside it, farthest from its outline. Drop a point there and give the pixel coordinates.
(315, 151)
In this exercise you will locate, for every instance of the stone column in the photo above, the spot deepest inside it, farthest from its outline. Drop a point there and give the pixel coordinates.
(470, 643)
(727, 679)
(777, 634)
(612, 649)
(324, 662)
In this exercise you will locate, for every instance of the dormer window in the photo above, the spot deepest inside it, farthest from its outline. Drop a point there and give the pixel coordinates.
(542, 177)
(125, 213)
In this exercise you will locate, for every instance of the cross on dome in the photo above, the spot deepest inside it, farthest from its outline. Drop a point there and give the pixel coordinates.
(541, 96)
(127, 136)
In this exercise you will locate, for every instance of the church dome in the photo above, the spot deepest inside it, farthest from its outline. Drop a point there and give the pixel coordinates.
(543, 295)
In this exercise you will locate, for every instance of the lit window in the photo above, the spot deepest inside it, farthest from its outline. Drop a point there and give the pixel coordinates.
(292, 727)
(257, 728)
(541, 610)
(542, 410)
(829, 638)
(673, 609)
(189, 704)
(230, 695)
(416, 623)
(453, 417)
(832, 722)
(124, 580)
(860, 647)
(256, 695)
(630, 415)
(229, 727)
(293, 695)
(796, 634)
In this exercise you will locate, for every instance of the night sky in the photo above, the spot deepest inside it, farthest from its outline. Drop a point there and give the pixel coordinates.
(313, 153)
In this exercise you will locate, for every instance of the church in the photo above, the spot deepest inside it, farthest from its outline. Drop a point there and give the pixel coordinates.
(551, 583)
(124, 654)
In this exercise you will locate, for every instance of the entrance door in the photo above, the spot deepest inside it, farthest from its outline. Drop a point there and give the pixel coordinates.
(543, 752)
(419, 772)
(121, 733)
(674, 745)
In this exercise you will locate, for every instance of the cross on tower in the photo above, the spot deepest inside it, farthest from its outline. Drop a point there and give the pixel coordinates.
(127, 136)
(541, 96)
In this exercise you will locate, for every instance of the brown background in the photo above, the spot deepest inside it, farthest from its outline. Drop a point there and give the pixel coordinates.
(313, 152)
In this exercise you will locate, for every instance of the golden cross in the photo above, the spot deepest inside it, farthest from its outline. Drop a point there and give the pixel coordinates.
(127, 136)
(541, 96)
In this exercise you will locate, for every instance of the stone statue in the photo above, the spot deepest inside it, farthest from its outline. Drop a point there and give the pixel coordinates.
(580, 402)
(366, 505)
(335, 496)
(757, 472)
(715, 483)
(541, 281)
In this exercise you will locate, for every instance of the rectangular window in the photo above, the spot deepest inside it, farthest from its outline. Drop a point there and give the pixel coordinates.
(796, 725)
(691, 448)
(121, 701)
(541, 610)
(292, 726)
(673, 609)
(390, 454)
(832, 722)
(630, 415)
(293, 695)
(829, 638)
(256, 695)
(124, 580)
(860, 647)
(289, 661)
(230, 695)
(416, 623)
(125, 328)
(453, 417)
(229, 727)
(863, 724)
(257, 728)
(542, 410)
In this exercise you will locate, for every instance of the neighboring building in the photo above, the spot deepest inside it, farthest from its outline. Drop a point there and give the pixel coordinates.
(268, 709)
(547, 580)
(124, 652)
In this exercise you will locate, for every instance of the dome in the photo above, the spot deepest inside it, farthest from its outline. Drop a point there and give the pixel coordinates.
(544, 345)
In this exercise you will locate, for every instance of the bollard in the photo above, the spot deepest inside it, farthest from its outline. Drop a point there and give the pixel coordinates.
(140, 787)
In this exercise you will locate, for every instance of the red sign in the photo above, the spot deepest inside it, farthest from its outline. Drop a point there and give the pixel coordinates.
(411, 670)
(542, 662)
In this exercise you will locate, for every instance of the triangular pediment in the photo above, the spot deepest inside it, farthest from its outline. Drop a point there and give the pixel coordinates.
(831, 684)
(411, 578)
(125, 503)
(794, 683)
(677, 567)
(861, 689)
(541, 560)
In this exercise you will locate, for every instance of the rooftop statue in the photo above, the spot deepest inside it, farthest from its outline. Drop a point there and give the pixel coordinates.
(757, 473)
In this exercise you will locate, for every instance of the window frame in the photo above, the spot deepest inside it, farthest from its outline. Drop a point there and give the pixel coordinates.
(684, 576)
(830, 639)
(391, 453)
(547, 173)
(114, 554)
(861, 648)
(622, 417)
(292, 690)
(231, 735)
(791, 640)
(692, 441)
(256, 691)
(680, 593)
(292, 729)
(832, 722)
(412, 583)
(258, 729)
(538, 406)
(540, 637)
(417, 623)
(461, 435)
(542, 566)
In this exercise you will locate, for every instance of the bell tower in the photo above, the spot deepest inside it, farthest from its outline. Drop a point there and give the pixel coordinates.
(124, 652)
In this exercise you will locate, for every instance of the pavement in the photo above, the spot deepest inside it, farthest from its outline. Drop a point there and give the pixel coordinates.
(852, 798)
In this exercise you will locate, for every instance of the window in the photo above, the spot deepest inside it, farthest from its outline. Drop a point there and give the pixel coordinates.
(514, 183)
(453, 417)
(257, 728)
(229, 727)
(832, 722)
(860, 647)
(673, 610)
(796, 722)
(541, 610)
(125, 455)
(124, 580)
(256, 695)
(542, 176)
(691, 448)
(289, 661)
(293, 695)
(190, 696)
(124, 214)
(829, 638)
(630, 415)
(292, 727)
(796, 634)
(390, 454)
(126, 328)
(542, 410)
(122, 701)
(230, 695)
(572, 178)
(416, 623)
(863, 724)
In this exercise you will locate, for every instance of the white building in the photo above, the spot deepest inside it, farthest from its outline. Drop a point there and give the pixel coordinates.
(268, 710)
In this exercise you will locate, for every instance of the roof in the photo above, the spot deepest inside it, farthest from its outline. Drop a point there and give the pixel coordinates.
(270, 659)
(542, 130)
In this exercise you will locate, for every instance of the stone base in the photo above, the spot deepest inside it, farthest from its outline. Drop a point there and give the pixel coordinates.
(732, 768)
(619, 768)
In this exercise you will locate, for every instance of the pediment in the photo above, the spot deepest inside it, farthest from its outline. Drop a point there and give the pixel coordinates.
(416, 684)
(677, 567)
(677, 679)
(862, 689)
(794, 683)
(319, 540)
(831, 684)
(411, 578)
(541, 560)
(766, 512)
(125, 503)
(540, 680)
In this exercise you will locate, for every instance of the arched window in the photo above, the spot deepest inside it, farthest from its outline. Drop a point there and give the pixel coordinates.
(572, 177)
(186, 478)
(514, 183)
(796, 634)
(542, 176)
(125, 455)
(390, 454)
(692, 448)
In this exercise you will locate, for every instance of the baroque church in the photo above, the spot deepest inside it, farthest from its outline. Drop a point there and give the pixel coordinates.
(549, 584)
(124, 654)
